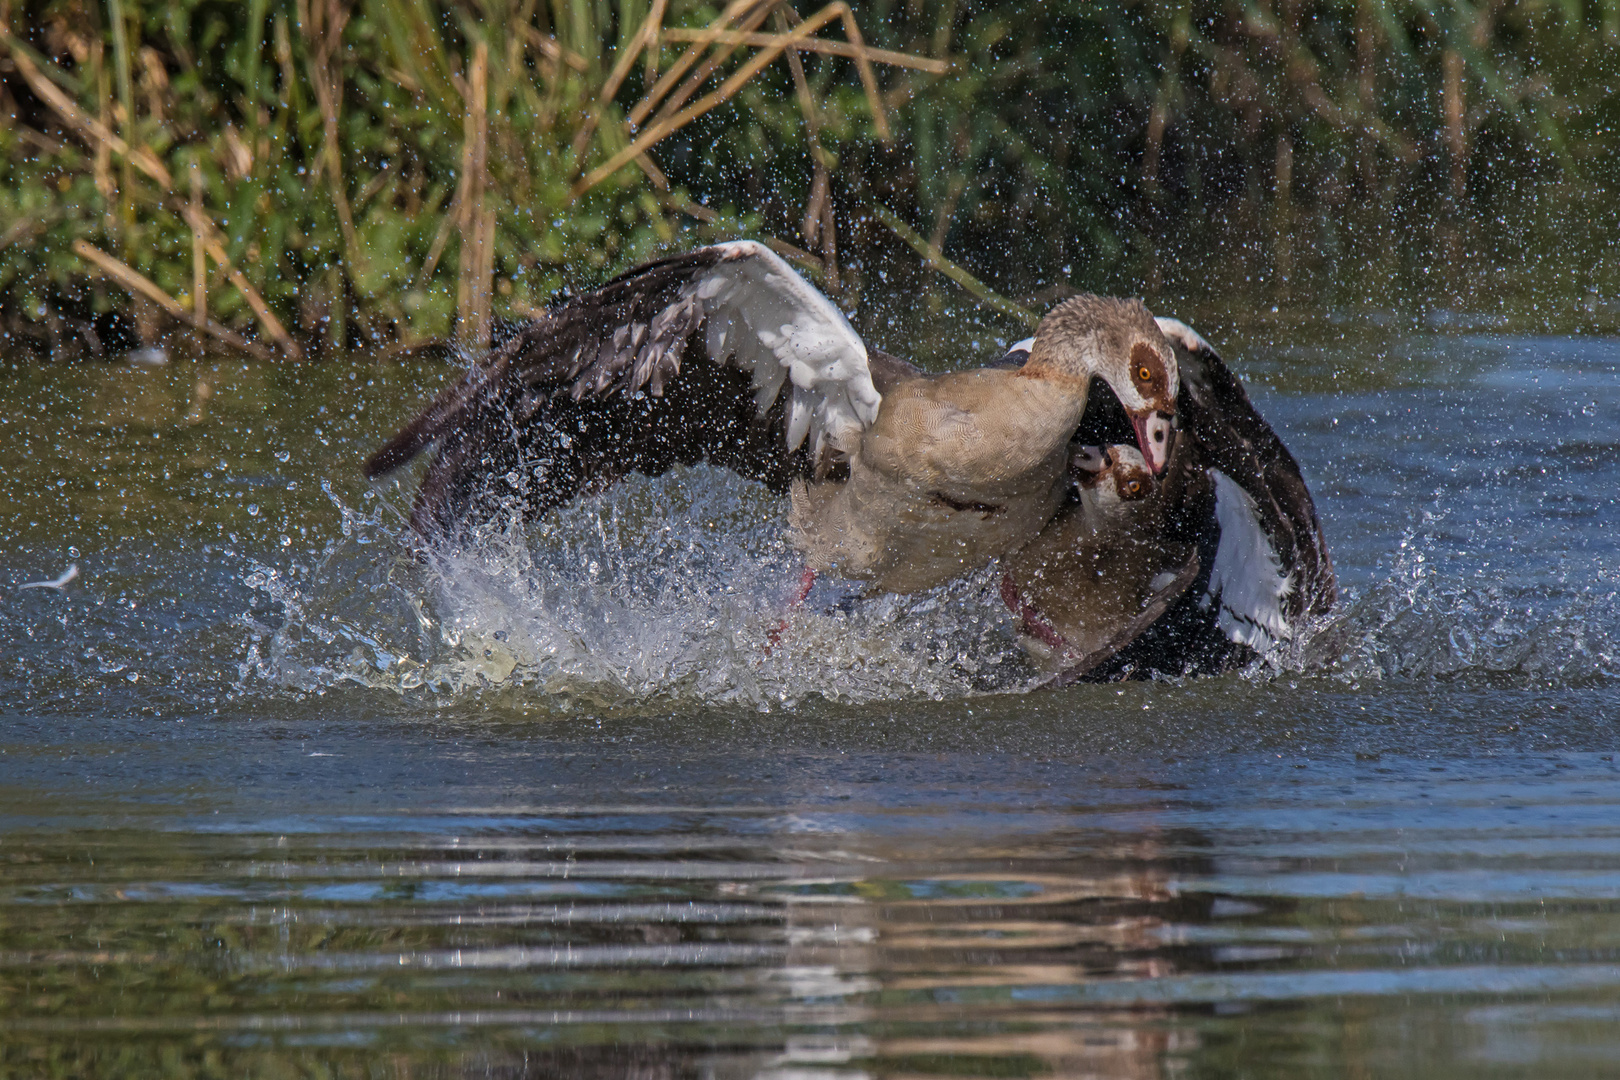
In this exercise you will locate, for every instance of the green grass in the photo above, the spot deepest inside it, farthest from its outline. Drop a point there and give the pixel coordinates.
(1346, 154)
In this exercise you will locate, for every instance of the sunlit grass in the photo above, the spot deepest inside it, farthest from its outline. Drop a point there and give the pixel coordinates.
(303, 177)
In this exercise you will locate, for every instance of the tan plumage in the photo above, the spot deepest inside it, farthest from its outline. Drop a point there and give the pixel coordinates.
(958, 470)
(962, 468)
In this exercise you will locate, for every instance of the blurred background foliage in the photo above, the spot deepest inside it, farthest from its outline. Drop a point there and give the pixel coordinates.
(306, 177)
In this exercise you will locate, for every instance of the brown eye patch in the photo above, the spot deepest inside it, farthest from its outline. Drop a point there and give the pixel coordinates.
(1147, 369)
(1135, 487)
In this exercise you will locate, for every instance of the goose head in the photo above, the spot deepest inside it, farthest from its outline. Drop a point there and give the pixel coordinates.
(1108, 476)
(1119, 342)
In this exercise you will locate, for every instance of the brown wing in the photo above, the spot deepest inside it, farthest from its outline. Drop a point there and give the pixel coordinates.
(1228, 434)
(632, 377)
(1132, 631)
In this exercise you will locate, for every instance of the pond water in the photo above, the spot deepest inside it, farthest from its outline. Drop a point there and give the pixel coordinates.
(278, 797)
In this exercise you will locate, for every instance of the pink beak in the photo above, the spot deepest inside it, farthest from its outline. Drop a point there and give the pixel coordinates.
(1153, 438)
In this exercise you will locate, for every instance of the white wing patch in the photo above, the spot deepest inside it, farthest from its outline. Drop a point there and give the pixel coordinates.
(1247, 579)
(1184, 335)
(1018, 347)
(777, 326)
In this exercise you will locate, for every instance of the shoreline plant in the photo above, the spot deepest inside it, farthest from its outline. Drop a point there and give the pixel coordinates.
(304, 178)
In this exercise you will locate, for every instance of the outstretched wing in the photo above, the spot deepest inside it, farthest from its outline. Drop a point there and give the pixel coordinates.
(1271, 563)
(724, 354)
(1247, 580)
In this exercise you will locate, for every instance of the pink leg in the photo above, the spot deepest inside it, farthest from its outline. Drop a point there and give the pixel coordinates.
(807, 579)
(1035, 626)
(773, 637)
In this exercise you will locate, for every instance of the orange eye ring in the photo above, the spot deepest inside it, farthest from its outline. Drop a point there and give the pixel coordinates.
(1133, 487)
(1143, 373)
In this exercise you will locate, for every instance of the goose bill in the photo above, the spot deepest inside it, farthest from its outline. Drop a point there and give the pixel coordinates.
(1153, 436)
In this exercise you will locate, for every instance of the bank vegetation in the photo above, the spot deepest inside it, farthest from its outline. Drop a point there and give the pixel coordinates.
(300, 178)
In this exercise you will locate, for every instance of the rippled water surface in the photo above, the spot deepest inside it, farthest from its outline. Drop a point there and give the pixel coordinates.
(279, 797)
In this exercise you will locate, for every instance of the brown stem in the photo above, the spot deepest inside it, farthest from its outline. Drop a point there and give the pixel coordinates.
(695, 81)
(199, 253)
(665, 125)
(142, 286)
(936, 260)
(820, 45)
(1452, 107)
(1283, 179)
(1367, 95)
(947, 210)
(89, 128)
(863, 65)
(216, 251)
(97, 133)
(820, 181)
(103, 161)
(1157, 120)
(322, 23)
(705, 38)
(646, 37)
(829, 244)
(477, 225)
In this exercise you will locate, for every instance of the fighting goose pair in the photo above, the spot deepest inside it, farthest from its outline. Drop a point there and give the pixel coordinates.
(902, 479)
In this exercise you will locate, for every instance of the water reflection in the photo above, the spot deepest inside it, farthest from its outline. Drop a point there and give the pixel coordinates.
(818, 950)
(989, 927)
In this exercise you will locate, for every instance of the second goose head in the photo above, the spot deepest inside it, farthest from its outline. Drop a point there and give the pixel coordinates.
(1107, 476)
(1117, 341)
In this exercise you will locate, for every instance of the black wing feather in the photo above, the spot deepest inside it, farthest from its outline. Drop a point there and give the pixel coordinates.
(1230, 435)
(610, 382)
(1221, 429)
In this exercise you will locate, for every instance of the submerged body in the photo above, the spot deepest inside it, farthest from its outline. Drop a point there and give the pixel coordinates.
(1103, 569)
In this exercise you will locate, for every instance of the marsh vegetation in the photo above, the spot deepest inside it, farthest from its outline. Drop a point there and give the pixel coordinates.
(306, 177)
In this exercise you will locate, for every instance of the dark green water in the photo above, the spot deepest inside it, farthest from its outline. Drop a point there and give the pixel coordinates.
(278, 799)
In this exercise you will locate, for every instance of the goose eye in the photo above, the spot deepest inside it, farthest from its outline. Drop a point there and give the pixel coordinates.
(1143, 373)
(1133, 487)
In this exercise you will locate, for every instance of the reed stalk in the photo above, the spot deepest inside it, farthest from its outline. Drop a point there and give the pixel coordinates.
(473, 296)
(141, 286)
(936, 260)
(377, 173)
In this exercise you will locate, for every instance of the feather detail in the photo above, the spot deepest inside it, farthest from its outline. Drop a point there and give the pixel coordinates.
(1247, 579)
(795, 330)
(611, 367)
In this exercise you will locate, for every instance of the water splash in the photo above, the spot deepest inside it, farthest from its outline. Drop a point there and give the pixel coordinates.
(1419, 621)
(676, 590)
(657, 592)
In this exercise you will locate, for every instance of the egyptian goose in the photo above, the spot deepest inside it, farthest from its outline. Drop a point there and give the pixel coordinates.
(1103, 570)
(725, 354)
(1225, 557)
